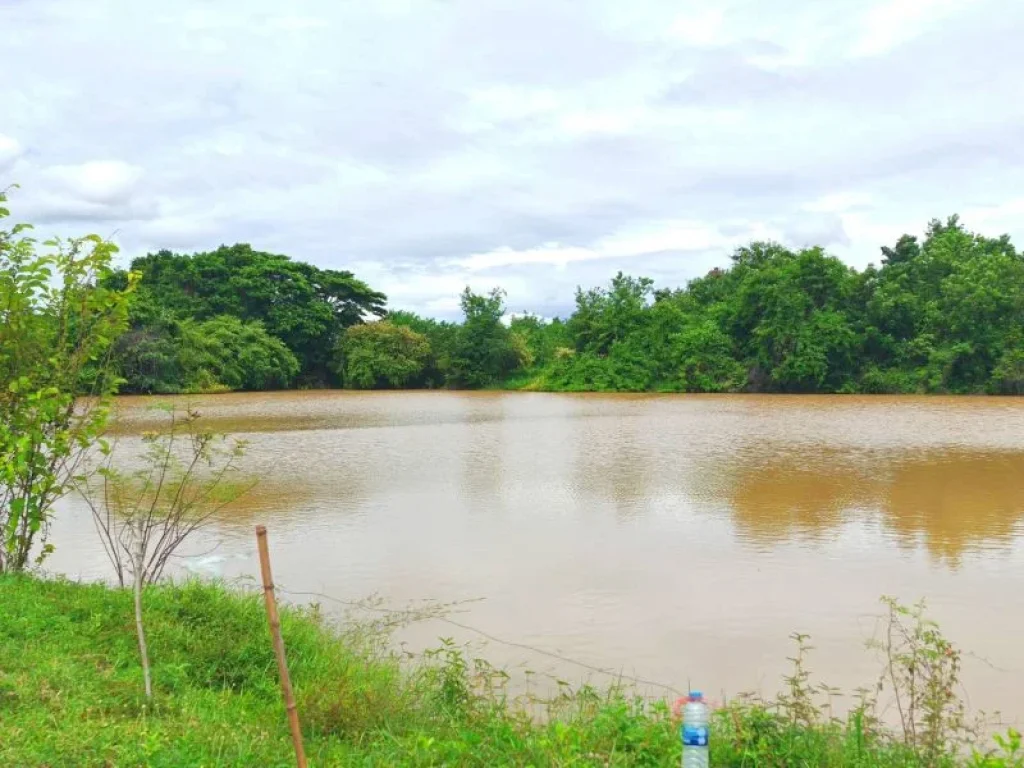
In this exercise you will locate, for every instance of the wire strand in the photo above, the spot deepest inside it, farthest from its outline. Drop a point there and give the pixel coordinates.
(493, 638)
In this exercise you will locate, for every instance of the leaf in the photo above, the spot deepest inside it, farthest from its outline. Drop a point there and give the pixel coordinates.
(17, 508)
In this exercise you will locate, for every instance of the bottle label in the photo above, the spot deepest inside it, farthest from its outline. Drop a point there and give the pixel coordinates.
(695, 735)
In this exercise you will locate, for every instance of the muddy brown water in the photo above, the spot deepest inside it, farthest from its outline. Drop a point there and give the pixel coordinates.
(680, 539)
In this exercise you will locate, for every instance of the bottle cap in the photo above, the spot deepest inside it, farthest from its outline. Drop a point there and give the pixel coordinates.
(696, 695)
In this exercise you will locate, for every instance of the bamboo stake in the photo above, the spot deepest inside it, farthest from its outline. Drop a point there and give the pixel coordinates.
(275, 632)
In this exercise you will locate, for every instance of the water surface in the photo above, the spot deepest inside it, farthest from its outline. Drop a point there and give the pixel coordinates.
(676, 538)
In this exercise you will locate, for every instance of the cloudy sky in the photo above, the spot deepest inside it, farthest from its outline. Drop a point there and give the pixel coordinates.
(533, 144)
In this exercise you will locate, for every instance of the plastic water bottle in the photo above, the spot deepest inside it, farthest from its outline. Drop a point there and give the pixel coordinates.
(695, 731)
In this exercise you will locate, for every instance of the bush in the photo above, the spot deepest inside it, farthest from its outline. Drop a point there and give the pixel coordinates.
(381, 356)
(217, 355)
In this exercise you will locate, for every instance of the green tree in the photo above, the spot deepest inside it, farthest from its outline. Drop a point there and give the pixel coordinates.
(484, 350)
(1008, 376)
(605, 316)
(543, 338)
(705, 359)
(224, 352)
(381, 355)
(441, 338)
(57, 325)
(943, 315)
(791, 318)
(305, 307)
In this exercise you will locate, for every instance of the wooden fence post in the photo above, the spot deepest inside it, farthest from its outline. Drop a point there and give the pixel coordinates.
(275, 633)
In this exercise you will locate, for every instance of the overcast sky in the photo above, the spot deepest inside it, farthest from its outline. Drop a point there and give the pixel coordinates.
(532, 144)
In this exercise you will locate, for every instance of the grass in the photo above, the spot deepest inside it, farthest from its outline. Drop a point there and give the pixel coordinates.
(70, 695)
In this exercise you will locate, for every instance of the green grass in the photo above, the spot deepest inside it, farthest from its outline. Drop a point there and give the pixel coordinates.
(70, 695)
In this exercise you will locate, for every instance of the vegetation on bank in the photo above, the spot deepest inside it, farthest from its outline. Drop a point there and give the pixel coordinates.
(943, 314)
(71, 695)
(57, 329)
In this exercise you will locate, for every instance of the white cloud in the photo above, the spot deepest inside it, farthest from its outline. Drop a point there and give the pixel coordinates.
(548, 253)
(10, 150)
(703, 28)
(537, 145)
(889, 23)
(502, 103)
(837, 202)
(1003, 217)
(613, 122)
(103, 182)
(667, 237)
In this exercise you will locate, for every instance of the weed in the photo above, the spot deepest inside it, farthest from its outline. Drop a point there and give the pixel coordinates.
(68, 697)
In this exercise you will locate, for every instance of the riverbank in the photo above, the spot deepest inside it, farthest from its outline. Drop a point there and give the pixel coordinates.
(71, 695)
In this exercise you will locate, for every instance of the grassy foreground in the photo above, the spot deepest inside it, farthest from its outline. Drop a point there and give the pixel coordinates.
(70, 695)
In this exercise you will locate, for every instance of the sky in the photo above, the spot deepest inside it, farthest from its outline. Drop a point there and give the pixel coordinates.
(536, 145)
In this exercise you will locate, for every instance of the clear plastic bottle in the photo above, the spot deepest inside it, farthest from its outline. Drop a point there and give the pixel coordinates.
(695, 731)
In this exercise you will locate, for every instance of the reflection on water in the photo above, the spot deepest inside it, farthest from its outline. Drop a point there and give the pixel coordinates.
(951, 499)
(956, 500)
(775, 494)
(680, 538)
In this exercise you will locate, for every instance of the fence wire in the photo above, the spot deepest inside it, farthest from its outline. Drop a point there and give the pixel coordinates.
(618, 675)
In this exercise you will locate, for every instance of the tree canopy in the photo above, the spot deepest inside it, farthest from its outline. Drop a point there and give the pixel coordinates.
(942, 313)
(303, 307)
(382, 356)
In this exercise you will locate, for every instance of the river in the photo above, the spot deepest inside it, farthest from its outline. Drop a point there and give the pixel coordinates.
(680, 539)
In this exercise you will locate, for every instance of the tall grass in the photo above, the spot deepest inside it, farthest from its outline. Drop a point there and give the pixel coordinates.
(70, 696)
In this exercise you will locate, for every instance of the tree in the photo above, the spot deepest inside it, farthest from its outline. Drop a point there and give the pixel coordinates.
(441, 338)
(304, 306)
(219, 354)
(145, 516)
(605, 316)
(943, 315)
(543, 338)
(1008, 376)
(484, 350)
(381, 355)
(233, 354)
(57, 325)
(705, 359)
(791, 319)
(148, 359)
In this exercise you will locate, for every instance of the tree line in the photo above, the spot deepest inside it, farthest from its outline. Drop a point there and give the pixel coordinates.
(943, 313)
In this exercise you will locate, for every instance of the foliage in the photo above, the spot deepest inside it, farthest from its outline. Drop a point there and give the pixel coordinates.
(57, 324)
(219, 354)
(144, 517)
(604, 317)
(484, 349)
(706, 360)
(543, 339)
(923, 669)
(440, 337)
(235, 355)
(68, 698)
(381, 355)
(304, 307)
(943, 314)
